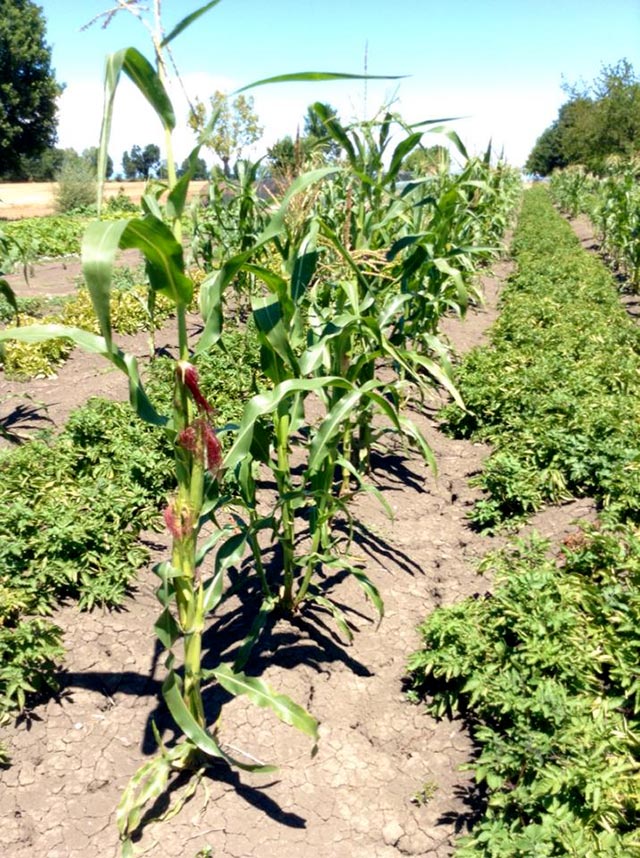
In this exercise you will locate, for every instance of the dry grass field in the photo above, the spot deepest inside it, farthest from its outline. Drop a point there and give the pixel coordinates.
(35, 199)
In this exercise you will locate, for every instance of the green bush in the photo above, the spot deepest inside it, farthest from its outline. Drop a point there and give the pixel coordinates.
(76, 184)
(546, 671)
(557, 390)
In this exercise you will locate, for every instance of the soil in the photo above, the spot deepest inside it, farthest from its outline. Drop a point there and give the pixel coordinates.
(355, 798)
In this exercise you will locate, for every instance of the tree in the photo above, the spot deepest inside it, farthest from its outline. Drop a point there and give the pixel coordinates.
(315, 132)
(236, 126)
(428, 161)
(90, 155)
(43, 167)
(76, 182)
(128, 167)
(285, 159)
(598, 120)
(546, 155)
(141, 163)
(201, 170)
(28, 88)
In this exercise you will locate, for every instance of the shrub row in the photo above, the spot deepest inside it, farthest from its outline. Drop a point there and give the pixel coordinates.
(557, 391)
(546, 669)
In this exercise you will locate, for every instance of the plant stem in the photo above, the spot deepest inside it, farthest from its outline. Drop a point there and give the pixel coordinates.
(284, 488)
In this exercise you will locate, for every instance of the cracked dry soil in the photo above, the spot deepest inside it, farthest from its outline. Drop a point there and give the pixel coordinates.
(356, 797)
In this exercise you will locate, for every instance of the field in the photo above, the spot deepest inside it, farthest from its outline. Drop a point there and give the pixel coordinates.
(37, 199)
(108, 691)
(320, 512)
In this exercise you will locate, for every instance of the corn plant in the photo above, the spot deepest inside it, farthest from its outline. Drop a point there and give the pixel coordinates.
(186, 593)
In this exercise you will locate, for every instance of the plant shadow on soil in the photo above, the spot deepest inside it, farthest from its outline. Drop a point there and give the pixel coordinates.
(25, 418)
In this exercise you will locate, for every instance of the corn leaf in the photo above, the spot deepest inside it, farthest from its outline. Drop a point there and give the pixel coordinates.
(96, 345)
(187, 21)
(145, 77)
(199, 736)
(262, 695)
(296, 77)
(266, 403)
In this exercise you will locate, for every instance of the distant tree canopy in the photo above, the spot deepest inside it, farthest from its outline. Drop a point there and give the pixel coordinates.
(201, 171)
(236, 126)
(28, 88)
(141, 163)
(599, 119)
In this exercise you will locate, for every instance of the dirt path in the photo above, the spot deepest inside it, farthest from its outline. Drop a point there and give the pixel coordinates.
(354, 799)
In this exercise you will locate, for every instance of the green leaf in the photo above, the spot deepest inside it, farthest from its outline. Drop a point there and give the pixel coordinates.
(165, 262)
(334, 610)
(186, 21)
(369, 588)
(267, 314)
(313, 76)
(177, 197)
(144, 76)
(400, 153)
(265, 403)
(167, 629)
(99, 245)
(321, 445)
(255, 631)
(262, 695)
(147, 784)
(199, 736)
(9, 295)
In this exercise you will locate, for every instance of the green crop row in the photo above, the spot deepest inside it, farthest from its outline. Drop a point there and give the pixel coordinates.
(557, 390)
(546, 673)
(59, 235)
(546, 669)
(612, 202)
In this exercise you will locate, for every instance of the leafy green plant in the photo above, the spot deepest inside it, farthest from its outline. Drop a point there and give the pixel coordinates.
(530, 668)
(25, 360)
(58, 235)
(218, 480)
(76, 183)
(556, 434)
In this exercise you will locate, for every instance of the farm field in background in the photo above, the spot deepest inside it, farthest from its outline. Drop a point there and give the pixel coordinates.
(37, 199)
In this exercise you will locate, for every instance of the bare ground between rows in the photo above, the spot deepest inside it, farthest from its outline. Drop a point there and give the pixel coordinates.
(354, 798)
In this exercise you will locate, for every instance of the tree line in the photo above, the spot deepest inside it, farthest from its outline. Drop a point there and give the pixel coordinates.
(598, 119)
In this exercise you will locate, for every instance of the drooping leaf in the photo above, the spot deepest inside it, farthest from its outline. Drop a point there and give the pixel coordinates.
(262, 695)
(96, 345)
(144, 76)
(171, 691)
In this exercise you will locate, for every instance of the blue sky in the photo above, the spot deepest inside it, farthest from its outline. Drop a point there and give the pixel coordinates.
(499, 63)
